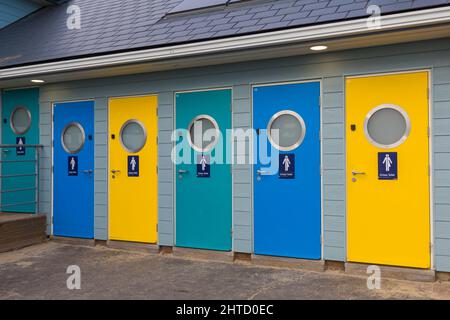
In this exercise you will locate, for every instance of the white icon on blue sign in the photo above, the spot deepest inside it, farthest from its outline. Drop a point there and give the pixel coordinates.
(203, 166)
(286, 163)
(387, 166)
(133, 166)
(203, 163)
(387, 162)
(20, 150)
(73, 166)
(73, 163)
(286, 168)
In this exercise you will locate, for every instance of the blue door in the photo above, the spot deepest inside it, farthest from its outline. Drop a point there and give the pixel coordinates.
(73, 211)
(20, 115)
(287, 191)
(203, 186)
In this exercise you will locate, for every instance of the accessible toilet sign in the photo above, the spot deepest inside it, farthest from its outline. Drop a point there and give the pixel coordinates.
(20, 150)
(387, 166)
(133, 166)
(203, 166)
(287, 166)
(72, 166)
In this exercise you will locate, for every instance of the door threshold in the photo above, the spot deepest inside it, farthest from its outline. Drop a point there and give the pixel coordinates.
(203, 254)
(133, 246)
(74, 241)
(286, 262)
(393, 272)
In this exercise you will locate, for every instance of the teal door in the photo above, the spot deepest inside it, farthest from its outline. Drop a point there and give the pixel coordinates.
(203, 172)
(20, 125)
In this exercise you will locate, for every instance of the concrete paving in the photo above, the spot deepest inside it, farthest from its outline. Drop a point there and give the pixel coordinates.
(39, 272)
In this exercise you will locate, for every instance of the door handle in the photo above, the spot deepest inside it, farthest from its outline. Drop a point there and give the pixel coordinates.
(261, 172)
(88, 171)
(115, 171)
(181, 171)
(6, 151)
(355, 173)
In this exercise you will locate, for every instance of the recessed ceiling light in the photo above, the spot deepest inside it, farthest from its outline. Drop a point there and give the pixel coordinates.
(37, 81)
(319, 48)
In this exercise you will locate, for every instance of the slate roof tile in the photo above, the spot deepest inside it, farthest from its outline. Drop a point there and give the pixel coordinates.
(113, 25)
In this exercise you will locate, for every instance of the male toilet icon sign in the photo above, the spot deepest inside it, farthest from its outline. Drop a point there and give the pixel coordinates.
(73, 163)
(73, 166)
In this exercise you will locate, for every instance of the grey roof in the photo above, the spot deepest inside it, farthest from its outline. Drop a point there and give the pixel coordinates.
(118, 25)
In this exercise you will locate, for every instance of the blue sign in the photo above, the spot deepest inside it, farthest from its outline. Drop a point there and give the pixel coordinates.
(203, 166)
(72, 165)
(133, 166)
(387, 166)
(287, 166)
(20, 151)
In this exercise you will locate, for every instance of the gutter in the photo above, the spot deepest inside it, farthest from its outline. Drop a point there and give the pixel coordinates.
(311, 34)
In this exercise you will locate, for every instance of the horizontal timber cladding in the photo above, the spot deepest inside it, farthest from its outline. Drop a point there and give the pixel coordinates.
(331, 68)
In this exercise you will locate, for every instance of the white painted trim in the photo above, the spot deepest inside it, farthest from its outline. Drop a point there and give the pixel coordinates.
(312, 34)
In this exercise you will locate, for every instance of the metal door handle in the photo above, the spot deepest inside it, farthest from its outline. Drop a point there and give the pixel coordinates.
(115, 171)
(355, 173)
(181, 171)
(261, 172)
(6, 150)
(88, 171)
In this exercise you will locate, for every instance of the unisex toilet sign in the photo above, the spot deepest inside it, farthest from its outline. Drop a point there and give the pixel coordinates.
(287, 166)
(387, 166)
(72, 165)
(20, 151)
(203, 166)
(133, 166)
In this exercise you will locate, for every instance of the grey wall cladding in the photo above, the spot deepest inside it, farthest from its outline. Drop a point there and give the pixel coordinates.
(331, 68)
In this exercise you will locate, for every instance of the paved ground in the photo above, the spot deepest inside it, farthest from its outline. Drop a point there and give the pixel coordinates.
(39, 272)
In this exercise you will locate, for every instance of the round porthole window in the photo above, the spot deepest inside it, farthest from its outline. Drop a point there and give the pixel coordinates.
(387, 126)
(203, 133)
(73, 138)
(286, 130)
(133, 136)
(20, 120)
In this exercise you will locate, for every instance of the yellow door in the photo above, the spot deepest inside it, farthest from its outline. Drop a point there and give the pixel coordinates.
(388, 194)
(133, 193)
